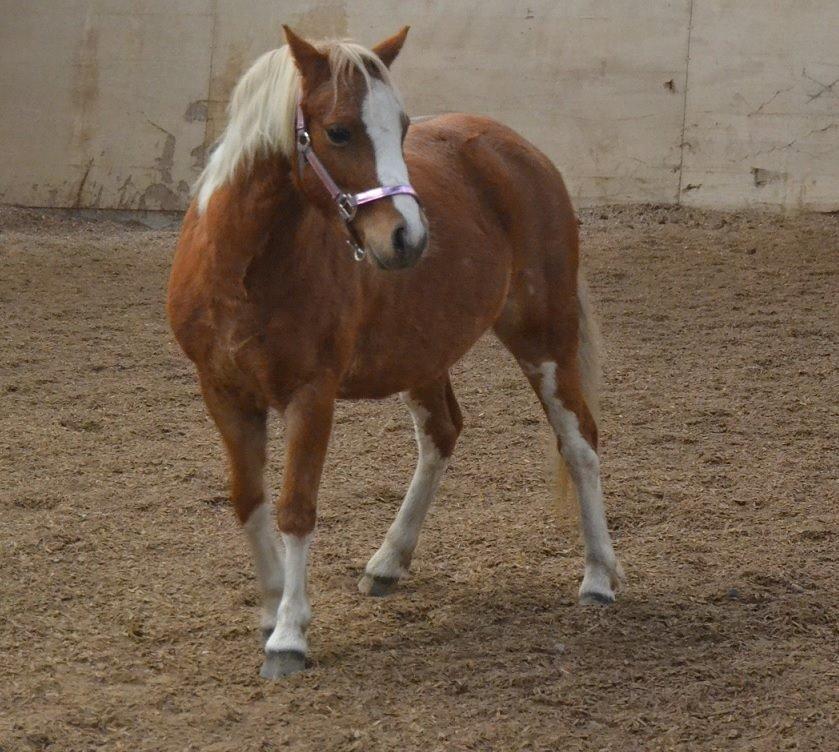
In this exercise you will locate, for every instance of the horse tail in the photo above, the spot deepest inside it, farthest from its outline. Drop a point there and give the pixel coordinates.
(589, 358)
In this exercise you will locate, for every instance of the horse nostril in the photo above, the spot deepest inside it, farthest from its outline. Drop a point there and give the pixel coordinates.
(400, 244)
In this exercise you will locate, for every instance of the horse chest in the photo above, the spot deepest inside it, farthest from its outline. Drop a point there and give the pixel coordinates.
(423, 323)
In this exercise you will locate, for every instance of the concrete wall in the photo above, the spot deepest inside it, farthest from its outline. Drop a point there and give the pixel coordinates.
(95, 101)
(762, 107)
(113, 103)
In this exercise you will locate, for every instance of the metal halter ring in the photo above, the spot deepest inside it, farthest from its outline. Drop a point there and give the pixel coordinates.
(304, 140)
(358, 253)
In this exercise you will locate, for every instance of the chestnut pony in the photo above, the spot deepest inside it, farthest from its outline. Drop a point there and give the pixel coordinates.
(269, 302)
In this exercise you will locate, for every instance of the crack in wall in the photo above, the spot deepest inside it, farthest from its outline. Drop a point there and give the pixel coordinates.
(682, 143)
(824, 87)
(78, 201)
(201, 156)
(771, 99)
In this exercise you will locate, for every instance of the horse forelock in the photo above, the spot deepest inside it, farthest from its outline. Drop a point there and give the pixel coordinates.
(345, 57)
(262, 108)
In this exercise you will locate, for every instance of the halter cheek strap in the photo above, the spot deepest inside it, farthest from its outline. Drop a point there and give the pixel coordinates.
(346, 203)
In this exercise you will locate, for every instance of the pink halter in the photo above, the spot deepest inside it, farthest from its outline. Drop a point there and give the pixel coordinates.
(347, 203)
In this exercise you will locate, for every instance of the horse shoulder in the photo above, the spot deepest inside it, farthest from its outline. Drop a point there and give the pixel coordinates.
(186, 304)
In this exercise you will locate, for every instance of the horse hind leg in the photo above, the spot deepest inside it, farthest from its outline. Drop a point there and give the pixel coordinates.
(242, 426)
(558, 361)
(437, 422)
(576, 435)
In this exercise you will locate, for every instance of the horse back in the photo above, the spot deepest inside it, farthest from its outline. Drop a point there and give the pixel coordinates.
(511, 179)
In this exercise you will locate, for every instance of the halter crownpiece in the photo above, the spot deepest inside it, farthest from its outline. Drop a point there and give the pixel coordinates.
(347, 203)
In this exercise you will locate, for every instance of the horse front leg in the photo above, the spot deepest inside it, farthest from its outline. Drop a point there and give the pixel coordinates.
(437, 422)
(308, 426)
(241, 421)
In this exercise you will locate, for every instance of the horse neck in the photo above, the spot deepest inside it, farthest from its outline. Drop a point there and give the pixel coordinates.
(259, 206)
(263, 227)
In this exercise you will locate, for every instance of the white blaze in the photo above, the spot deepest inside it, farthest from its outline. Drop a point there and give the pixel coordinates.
(382, 117)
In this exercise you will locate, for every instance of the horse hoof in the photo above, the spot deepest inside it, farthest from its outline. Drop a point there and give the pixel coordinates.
(595, 598)
(375, 586)
(282, 663)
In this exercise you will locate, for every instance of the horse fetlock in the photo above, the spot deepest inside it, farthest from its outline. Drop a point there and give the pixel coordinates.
(388, 563)
(268, 621)
(599, 582)
(384, 571)
(288, 635)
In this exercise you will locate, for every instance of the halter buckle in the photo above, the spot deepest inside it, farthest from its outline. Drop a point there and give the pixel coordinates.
(346, 207)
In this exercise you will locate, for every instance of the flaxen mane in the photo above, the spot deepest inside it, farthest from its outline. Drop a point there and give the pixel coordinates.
(261, 109)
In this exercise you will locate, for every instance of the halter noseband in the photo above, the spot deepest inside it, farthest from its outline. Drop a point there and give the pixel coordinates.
(347, 203)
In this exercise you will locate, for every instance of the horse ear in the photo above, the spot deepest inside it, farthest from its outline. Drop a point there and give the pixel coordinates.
(311, 62)
(389, 48)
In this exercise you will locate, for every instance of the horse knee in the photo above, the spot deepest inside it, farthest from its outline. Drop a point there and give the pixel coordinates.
(246, 502)
(296, 514)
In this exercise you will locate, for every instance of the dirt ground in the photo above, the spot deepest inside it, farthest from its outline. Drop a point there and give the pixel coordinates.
(127, 600)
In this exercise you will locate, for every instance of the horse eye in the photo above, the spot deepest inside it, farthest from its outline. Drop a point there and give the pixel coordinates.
(338, 135)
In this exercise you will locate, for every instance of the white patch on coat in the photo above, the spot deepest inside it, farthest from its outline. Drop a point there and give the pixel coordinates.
(602, 568)
(382, 115)
(394, 556)
(294, 614)
(260, 530)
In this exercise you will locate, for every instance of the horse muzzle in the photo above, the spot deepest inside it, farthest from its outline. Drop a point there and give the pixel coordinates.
(396, 245)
